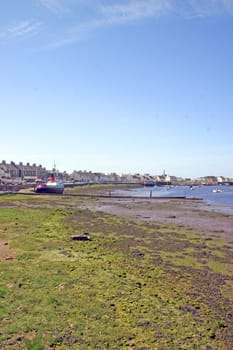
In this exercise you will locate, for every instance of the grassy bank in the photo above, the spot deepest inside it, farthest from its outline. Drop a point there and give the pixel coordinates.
(133, 285)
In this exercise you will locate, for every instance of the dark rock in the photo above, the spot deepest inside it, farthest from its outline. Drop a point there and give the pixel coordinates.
(137, 253)
(187, 308)
(82, 237)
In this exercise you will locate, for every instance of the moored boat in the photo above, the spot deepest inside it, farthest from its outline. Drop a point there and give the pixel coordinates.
(52, 185)
(217, 190)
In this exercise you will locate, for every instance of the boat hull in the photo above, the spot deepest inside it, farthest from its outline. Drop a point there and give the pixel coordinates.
(49, 190)
(57, 190)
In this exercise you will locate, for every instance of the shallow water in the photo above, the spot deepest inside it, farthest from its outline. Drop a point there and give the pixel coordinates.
(219, 201)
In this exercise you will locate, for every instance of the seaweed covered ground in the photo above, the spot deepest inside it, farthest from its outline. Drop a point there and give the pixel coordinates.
(146, 278)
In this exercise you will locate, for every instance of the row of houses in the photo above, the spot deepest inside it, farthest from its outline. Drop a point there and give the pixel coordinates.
(89, 176)
(27, 172)
(97, 177)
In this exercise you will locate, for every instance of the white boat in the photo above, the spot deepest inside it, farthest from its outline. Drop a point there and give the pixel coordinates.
(217, 190)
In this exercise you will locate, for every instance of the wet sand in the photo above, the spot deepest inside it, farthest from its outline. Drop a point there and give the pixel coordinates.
(212, 220)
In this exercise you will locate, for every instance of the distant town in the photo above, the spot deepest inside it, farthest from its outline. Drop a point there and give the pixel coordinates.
(13, 173)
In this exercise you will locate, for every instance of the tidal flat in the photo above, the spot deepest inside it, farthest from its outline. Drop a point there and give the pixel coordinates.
(153, 275)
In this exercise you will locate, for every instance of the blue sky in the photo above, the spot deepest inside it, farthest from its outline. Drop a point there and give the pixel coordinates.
(121, 86)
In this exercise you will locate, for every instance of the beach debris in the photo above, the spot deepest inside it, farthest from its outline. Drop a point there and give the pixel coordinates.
(9, 258)
(81, 237)
(61, 286)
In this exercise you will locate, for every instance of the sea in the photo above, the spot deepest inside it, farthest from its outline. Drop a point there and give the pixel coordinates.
(218, 197)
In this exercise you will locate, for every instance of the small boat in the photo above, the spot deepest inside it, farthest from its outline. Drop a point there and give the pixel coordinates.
(52, 185)
(217, 190)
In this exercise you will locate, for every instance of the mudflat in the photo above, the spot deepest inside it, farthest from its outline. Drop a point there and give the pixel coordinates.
(207, 219)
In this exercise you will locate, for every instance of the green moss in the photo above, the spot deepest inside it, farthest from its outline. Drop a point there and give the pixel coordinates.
(227, 290)
(35, 344)
(132, 285)
(220, 267)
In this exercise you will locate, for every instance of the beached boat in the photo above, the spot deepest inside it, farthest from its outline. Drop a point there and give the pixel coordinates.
(52, 185)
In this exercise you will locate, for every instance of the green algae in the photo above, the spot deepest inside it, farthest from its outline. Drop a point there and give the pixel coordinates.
(131, 286)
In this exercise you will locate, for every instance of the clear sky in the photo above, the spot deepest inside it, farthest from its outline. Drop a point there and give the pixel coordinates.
(120, 86)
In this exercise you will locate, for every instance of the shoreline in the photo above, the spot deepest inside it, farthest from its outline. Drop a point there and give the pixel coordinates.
(203, 217)
(197, 214)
